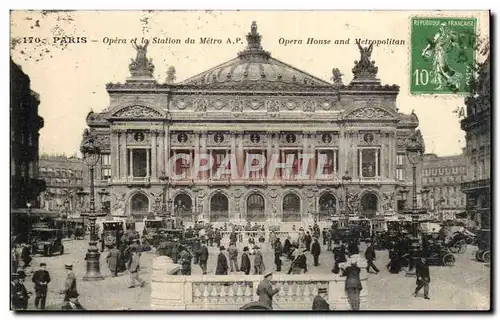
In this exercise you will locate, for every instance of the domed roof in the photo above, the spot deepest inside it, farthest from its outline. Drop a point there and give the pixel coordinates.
(255, 67)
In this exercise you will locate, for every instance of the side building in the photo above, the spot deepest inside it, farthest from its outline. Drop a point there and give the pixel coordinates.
(64, 184)
(477, 127)
(25, 123)
(443, 176)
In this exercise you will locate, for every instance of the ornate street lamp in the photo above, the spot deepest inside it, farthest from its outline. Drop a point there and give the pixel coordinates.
(167, 202)
(91, 154)
(414, 151)
(346, 178)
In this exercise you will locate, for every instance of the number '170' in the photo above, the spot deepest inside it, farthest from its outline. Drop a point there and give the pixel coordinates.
(421, 77)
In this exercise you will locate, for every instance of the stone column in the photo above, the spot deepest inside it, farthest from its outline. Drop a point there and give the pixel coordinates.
(123, 154)
(154, 158)
(305, 149)
(148, 167)
(232, 152)
(203, 150)
(131, 163)
(196, 154)
(240, 155)
(269, 155)
(115, 154)
(161, 153)
(167, 152)
(312, 151)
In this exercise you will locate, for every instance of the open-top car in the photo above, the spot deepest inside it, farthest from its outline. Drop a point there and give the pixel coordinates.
(46, 241)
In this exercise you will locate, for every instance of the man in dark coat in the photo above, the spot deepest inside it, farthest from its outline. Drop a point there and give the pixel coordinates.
(353, 248)
(266, 292)
(196, 251)
(218, 237)
(245, 261)
(423, 277)
(319, 302)
(299, 264)
(233, 257)
(339, 256)
(315, 251)
(19, 296)
(221, 262)
(233, 237)
(370, 257)
(287, 246)
(133, 267)
(258, 262)
(307, 241)
(278, 251)
(185, 260)
(114, 258)
(26, 255)
(324, 235)
(69, 290)
(210, 236)
(353, 285)
(41, 278)
(203, 257)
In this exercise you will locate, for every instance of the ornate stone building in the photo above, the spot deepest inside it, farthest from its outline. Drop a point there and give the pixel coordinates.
(443, 176)
(64, 180)
(477, 127)
(250, 107)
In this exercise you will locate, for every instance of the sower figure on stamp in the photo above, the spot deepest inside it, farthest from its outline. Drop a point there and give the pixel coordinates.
(423, 277)
(266, 292)
(41, 278)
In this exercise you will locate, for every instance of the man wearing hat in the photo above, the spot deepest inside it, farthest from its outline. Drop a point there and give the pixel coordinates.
(203, 257)
(69, 290)
(353, 285)
(133, 267)
(316, 251)
(41, 278)
(423, 277)
(222, 267)
(319, 301)
(299, 264)
(245, 261)
(258, 262)
(19, 296)
(265, 290)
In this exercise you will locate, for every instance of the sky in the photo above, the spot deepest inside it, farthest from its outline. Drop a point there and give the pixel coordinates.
(71, 77)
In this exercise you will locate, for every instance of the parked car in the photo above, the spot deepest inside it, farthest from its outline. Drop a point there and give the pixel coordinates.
(46, 241)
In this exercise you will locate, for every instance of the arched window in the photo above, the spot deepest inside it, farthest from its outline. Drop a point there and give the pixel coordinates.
(219, 208)
(327, 206)
(369, 204)
(291, 208)
(256, 208)
(183, 207)
(139, 205)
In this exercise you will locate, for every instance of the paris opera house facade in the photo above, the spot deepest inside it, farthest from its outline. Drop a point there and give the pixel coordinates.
(253, 106)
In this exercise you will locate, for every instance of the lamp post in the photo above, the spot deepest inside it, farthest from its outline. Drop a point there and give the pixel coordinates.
(346, 178)
(91, 155)
(414, 152)
(167, 202)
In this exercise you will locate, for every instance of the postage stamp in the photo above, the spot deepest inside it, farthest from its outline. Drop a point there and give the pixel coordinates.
(442, 55)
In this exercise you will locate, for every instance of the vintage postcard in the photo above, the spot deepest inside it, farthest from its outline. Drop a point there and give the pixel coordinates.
(250, 160)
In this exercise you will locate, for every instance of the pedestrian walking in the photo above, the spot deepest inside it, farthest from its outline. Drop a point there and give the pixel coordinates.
(113, 259)
(211, 235)
(185, 258)
(339, 256)
(258, 262)
(221, 268)
(196, 251)
(203, 258)
(423, 277)
(133, 267)
(324, 235)
(370, 256)
(319, 301)
(353, 248)
(353, 285)
(265, 291)
(316, 251)
(278, 251)
(41, 279)
(287, 246)
(218, 237)
(70, 291)
(245, 262)
(233, 257)
(19, 296)
(308, 241)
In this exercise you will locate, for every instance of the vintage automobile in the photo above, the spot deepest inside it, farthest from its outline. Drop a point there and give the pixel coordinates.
(483, 254)
(150, 231)
(111, 234)
(440, 254)
(46, 241)
(79, 230)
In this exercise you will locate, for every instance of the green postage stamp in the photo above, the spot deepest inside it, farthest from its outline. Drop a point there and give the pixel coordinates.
(442, 55)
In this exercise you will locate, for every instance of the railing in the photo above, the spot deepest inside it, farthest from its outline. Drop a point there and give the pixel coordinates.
(476, 184)
(230, 292)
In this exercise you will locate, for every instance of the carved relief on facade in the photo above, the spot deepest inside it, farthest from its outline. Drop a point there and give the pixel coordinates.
(388, 201)
(137, 111)
(255, 104)
(291, 105)
(215, 139)
(290, 138)
(135, 137)
(182, 138)
(369, 113)
(119, 205)
(200, 105)
(220, 104)
(103, 140)
(309, 105)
